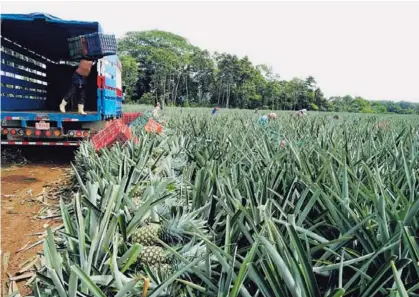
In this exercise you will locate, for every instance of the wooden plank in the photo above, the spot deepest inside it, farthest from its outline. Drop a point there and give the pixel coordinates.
(8, 80)
(19, 61)
(14, 70)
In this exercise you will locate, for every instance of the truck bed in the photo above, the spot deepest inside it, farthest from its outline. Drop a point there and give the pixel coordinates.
(50, 115)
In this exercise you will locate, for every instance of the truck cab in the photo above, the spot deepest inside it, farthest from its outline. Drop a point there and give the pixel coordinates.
(36, 71)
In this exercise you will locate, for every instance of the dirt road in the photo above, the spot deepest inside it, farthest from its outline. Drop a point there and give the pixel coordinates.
(20, 188)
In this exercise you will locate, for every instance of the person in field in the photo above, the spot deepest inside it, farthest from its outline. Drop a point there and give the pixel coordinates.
(78, 85)
(214, 111)
(263, 120)
(156, 110)
(301, 113)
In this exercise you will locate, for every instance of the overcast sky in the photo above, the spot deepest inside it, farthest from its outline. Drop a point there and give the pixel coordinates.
(370, 49)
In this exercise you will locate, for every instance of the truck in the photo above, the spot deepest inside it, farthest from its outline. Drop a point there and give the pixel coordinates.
(36, 71)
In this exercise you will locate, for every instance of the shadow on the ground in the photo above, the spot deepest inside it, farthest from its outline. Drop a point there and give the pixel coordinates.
(20, 155)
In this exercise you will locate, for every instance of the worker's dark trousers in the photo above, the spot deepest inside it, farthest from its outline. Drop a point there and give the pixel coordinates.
(78, 88)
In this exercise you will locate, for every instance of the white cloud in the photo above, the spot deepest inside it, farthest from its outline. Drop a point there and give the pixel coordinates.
(369, 49)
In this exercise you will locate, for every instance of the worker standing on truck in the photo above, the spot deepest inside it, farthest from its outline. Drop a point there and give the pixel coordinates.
(78, 85)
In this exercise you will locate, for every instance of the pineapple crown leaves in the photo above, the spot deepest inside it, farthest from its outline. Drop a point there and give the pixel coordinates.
(193, 250)
(190, 252)
(184, 225)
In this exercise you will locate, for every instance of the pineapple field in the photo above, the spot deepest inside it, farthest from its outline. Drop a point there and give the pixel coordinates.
(217, 205)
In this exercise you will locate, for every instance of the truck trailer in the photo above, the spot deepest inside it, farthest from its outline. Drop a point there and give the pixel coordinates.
(36, 71)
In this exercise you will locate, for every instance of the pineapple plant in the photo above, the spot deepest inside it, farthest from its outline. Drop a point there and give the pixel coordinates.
(174, 230)
(164, 265)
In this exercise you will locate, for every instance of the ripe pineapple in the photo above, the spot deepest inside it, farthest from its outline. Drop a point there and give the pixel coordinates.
(152, 255)
(163, 270)
(175, 230)
(145, 235)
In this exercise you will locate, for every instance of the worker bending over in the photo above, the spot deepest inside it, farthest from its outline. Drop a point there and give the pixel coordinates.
(263, 120)
(301, 113)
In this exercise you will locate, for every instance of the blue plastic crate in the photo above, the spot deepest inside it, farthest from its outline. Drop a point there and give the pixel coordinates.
(109, 82)
(77, 46)
(99, 44)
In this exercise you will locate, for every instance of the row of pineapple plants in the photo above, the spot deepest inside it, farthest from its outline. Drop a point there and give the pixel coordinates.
(217, 207)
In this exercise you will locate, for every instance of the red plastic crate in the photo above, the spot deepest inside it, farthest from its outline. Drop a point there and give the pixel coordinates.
(116, 131)
(129, 117)
(100, 81)
(118, 93)
(153, 127)
(123, 135)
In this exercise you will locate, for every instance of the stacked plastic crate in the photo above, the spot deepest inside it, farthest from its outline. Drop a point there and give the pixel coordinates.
(100, 45)
(95, 45)
(106, 83)
(119, 94)
(77, 46)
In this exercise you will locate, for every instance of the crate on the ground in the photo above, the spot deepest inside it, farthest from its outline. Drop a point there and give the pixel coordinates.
(123, 135)
(116, 131)
(129, 117)
(153, 127)
(141, 120)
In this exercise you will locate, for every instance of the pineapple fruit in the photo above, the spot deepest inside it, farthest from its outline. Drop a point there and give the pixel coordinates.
(162, 269)
(145, 235)
(165, 265)
(175, 230)
(152, 255)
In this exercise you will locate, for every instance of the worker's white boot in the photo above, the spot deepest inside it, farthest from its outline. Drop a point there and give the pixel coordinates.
(81, 109)
(62, 106)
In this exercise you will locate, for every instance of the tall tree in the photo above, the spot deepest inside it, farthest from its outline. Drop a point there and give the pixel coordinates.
(129, 74)
(164, 66)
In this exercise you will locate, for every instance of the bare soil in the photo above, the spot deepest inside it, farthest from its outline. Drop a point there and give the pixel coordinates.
(20, 188)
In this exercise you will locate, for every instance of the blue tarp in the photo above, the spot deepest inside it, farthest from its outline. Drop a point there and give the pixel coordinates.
(43, 33)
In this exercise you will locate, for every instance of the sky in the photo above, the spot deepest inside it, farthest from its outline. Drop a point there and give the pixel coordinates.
(368, 49)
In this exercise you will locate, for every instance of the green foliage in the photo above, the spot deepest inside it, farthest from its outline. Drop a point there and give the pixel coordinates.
(129, 74)
(332, 212)
(314, 107)
(148, 98)
(176, 71)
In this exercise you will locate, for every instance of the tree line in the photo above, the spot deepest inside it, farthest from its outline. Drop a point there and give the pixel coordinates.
(164, 67)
